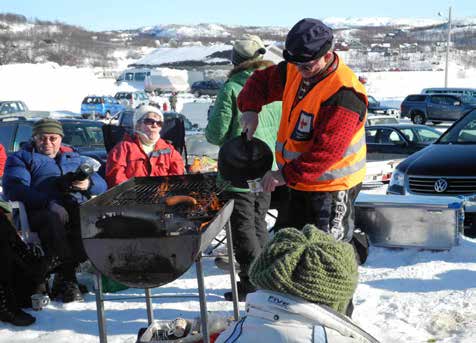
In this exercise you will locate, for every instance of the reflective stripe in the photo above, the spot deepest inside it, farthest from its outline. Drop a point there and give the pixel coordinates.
(354, 148)
(290, 155)
(159, 152)
(342, 172)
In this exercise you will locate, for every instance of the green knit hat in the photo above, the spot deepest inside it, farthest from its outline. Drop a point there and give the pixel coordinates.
(48, 125)
(309, 264)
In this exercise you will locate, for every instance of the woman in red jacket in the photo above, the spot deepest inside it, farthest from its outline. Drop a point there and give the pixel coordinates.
(145, 153)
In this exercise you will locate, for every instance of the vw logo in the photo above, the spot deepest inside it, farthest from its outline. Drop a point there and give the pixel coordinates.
(440, 185)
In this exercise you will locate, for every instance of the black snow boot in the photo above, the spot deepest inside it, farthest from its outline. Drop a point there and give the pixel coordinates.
(71, 292)
(9, 312)
(67, 290)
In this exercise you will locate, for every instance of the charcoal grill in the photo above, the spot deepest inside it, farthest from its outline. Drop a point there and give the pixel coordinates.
(132, 236)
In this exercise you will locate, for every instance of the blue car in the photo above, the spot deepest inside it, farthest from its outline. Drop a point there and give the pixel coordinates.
(102, 107)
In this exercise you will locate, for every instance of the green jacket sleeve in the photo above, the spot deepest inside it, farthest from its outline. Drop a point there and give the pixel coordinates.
(221, 117)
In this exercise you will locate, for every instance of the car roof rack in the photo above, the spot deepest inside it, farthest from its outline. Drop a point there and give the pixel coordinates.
(12, 118)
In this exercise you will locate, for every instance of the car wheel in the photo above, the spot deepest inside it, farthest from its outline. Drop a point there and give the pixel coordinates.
(197, 94)
(418, 118)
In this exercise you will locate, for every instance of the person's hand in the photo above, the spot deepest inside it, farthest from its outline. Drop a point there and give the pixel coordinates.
(81, 185)
(60, 211)
(272, 179)
(249, 122)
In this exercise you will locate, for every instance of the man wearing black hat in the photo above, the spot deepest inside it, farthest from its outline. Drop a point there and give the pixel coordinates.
(320, 148)
(35, 175)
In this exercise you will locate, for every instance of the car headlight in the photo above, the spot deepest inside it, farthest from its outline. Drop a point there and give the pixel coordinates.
(398, 178)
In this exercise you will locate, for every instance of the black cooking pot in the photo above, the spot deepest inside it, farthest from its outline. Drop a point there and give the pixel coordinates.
(240, 160)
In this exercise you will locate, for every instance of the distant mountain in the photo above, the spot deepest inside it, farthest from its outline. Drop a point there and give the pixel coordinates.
(367, 43)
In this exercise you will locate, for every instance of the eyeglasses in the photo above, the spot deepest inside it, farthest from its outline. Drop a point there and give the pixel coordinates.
(45, 139)
(150, 122)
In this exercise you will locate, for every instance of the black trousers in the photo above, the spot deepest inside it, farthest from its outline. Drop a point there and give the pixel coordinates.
(248, 227)
(20, 270)
(63, 241)
(332, 212)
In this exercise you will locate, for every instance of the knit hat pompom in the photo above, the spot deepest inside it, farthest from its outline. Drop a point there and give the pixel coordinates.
(309, 264)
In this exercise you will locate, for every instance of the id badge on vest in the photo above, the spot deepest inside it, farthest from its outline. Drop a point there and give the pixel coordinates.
(304, 129)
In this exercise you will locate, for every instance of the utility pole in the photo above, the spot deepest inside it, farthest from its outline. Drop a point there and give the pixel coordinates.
(448, 47)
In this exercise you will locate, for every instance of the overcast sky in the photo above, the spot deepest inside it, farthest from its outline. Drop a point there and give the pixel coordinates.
(126, 14)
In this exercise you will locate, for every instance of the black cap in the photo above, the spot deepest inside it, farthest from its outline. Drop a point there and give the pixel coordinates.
(308, 40)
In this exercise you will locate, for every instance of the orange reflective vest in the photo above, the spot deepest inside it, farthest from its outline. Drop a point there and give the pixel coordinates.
(296, 130)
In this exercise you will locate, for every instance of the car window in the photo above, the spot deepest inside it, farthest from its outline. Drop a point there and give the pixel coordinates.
(82, 135)
(94, 134)
(126, 119)
(6, 136)
(23, 135)
(468, 133)
(14, 107)
(129, 76)
(409, 134)
(387, 136)
(443, 99)
(21, 106)
(139, 76)
(370, 135)
(462, 132)
(415, 97)
(6, 108)
(372, 100)
(426, 135)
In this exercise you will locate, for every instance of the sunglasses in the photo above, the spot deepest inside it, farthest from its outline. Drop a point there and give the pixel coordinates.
(150, 122)
(44, 139)
(306, 65)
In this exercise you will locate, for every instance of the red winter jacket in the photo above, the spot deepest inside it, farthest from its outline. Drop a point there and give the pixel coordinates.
(340, 117)
(127, 159)
(3, 159)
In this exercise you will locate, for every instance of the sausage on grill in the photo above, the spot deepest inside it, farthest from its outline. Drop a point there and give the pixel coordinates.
(180, 199)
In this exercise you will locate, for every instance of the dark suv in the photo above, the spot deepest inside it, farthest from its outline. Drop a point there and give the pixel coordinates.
(85, 136)
(209, 87)
(435, 107)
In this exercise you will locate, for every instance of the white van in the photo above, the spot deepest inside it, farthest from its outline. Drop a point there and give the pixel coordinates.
(158, 80)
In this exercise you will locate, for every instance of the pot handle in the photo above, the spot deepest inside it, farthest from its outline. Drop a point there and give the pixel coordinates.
(247, 145)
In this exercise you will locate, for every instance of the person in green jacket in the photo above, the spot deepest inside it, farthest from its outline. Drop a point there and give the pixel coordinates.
(249, 228)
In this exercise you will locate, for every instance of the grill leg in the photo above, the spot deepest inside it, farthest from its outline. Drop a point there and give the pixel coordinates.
(231, 259)
(148, 304)
(100, 309)
(203, 300)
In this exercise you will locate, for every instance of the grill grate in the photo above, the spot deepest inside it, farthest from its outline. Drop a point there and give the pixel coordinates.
(154, 190)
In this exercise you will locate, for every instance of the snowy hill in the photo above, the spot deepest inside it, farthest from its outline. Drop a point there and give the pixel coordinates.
(396, 40)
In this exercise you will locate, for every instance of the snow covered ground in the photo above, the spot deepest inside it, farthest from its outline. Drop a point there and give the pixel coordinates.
(404, 295)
